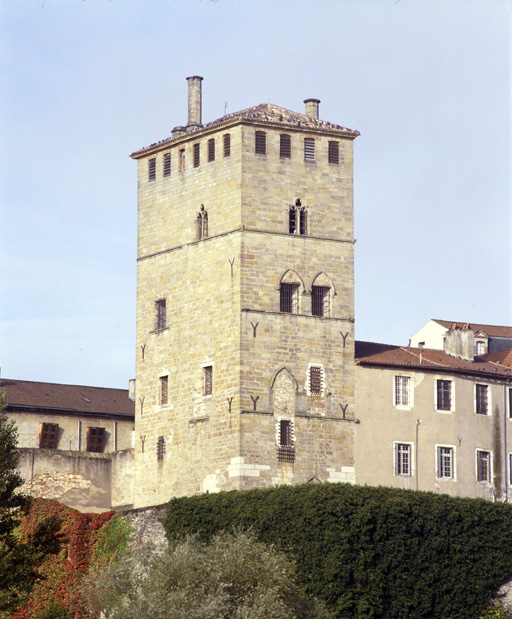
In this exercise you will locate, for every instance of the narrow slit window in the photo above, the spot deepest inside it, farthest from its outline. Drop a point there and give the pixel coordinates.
(297, 218)
(164, 389)
(320, 297)
(482, 404)
(167, 164)
(211, 149)
(160, 448)
(95, 439)
(208, 380)
(315, 380)
(260, 143)
(196, 155)
(289, 298)
(161, 314)
(49, 435)
(334, 152)
(309, 149)
(285, 146)
(181, 166)
(227, 144)
(152, 169)
(285, 448)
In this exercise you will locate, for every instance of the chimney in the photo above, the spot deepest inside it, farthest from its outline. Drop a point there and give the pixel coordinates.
(194, 102)
(312, 107)
(460, 342)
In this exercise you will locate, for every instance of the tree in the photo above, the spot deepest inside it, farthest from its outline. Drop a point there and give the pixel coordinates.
(18, 561)
(234, 577)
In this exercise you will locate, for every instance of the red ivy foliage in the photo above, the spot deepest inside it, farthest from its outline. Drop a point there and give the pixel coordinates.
(61, 573)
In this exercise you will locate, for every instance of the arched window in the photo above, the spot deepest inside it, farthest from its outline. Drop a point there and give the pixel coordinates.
(202, 223)
(321, 296)
(289, 293)
(298, 218)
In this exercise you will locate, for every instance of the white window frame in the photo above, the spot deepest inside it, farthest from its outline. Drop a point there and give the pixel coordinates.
(396, 459)
(479, 348)
(452, 394)
(488, 480)
(453, 476)
(399, 404)
(489, 402)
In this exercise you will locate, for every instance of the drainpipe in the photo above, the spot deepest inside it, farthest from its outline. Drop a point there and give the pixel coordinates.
(505, 476)
(416, 454)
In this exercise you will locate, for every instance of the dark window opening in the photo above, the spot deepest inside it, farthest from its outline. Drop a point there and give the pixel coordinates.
(181, 165)
(285, 146)
(196, 155)
(285, 449)
(208, 380)
(483, 466)
(320, 296)
(227, 144)
(167, 164)
(160, 448)
(152, 169)
(164, 389)
(309, 149)
(289, 298)
(481, 400)
(161, 314)
(95, 439)
(297, 219)
(444, 395)
(334, 152)
(211, 149)
(315, 380)
(49, 435)
(260, 143)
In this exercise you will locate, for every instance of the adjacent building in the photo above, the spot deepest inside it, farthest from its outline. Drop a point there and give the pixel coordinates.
(245, 303)
(437, 420)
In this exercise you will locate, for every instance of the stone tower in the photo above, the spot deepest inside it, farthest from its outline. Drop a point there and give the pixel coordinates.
(245, 303)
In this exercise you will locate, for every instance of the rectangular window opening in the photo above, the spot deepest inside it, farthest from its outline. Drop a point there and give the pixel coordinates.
(286, 449)
(227, 144)
(181, 163)
(315, 380)
(285, 146)
(208, 380)
(260, 143)
(167, 164)
(160, 448)
(152, 169)
(309, 149)
(161, 314)
(48, 435)
(482, 404)
(164, 389)
(95, 439)
(289, 301)
(334, 152)
(483, 464)
(320, 296)
(211, 149)
(445, 469)
(196, 155)
(403, 459)
(402, 384)
(444, 395)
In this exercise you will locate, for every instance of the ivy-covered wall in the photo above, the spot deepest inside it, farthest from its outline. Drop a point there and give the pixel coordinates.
(373, 553)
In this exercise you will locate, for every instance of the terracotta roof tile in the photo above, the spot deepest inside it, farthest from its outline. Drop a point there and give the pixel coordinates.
(371, 353)
(503, 357)
(262, 114)
(25, 393)
(491, 330)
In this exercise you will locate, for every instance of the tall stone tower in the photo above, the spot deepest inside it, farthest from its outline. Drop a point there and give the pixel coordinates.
(245, 303)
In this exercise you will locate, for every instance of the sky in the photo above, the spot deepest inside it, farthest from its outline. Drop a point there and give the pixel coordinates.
(84, 83)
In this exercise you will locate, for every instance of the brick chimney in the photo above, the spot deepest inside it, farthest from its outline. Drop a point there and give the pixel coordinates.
(194, 103)
(460, 342)
(312, 107)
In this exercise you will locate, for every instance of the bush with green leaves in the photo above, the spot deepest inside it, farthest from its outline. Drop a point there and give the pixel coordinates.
(231, 577)
(377, 553)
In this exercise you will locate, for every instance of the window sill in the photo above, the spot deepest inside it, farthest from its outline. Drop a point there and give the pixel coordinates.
(160, 330)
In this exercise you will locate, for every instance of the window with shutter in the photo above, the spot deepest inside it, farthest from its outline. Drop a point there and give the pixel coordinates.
(227, 144)
(211, 149)
(48, 435)
(260, 143)
(152, 169)
(309, 149)
(285, 146)
(167, 164)
(196, 155)
(334, 152)
(95, 439)
(208, 380)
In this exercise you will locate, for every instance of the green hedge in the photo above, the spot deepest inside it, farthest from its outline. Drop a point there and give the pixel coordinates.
(370, 552)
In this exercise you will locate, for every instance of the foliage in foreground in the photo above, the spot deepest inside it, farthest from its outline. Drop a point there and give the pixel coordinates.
(377, 553)
(233, 577)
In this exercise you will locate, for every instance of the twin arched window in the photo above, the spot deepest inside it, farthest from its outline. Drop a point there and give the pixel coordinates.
(321, 292)
(298, 219)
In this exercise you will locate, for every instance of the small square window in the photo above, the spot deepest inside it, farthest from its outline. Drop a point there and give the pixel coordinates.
(309, 149)
(403, 459)
(167, 164)
(95, 439)
(164, 389)
(482, 403)
(208, 380)
(152, 169)
(402, 391)
(48, 435)
(161, 314)
(227, 144)
(483, 466)
(211, 149)
(260, 143)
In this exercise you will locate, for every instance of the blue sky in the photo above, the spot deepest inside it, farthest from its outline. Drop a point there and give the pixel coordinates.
(86, 82)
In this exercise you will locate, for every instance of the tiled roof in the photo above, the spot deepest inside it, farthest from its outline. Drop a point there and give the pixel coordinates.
(370, 353)
(72, 398)
(263, 114)
(491, 330)
(504, 357)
